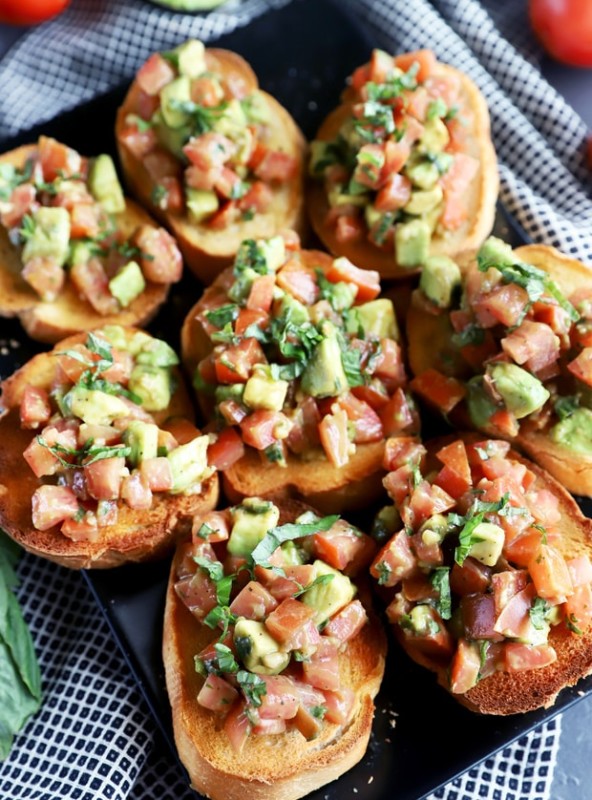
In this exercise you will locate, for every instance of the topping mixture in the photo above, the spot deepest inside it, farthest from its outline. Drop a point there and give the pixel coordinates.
(98, 443)
(396, 172)
(476, 562)
(204, 137)
(305, 357)
(528, 348)
(282, 610)
(61, 210)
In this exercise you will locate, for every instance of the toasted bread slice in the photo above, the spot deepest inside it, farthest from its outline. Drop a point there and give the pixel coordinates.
(137, 535)
(298, 767)
(69, 313)
(573, 470)
(207, 250)
(481, 198)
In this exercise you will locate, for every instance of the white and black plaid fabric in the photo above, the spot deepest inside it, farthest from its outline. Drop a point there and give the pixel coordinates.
(93, 738)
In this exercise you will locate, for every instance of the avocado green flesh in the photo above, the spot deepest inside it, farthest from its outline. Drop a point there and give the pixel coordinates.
(575, 432)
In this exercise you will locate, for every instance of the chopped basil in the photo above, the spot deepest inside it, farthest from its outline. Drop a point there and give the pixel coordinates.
(215, 571)
(565, 406)
(318, 711)
(253, 687)
(205, 531)
(86, 455)
(436, 108)
(539, 613)
(440, 580)
(469, 522)
(223, 315)
(350, 360)
(203, 118)
(250, 256)
(225, 658)
(571, 622)
(384, 572)
(159, 195)
(27, 229)
(318, 581)
(472, 334)
(220, 616)
(284, 533)
(225, 336)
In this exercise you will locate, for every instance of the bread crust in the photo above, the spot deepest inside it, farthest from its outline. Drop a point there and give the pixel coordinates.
(297, 767)
(572, 470)
(482, 192)
(68, 313)
(205, 250)
(137, 536)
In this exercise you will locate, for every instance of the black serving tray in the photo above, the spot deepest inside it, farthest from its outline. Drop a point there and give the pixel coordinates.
(421, 737)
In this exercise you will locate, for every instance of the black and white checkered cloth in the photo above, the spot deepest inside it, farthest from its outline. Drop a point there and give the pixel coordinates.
(93, 737)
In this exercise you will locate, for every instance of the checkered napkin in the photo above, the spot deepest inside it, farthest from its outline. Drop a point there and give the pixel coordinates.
(93, 737)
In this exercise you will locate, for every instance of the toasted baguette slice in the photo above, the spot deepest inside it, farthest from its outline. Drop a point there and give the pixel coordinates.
(207, 250)
(572, 470)
(69, 313)
(137, 536)
(481, 199)
(297, 767)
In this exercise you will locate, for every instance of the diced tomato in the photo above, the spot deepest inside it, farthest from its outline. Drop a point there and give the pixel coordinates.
(227, 182)
(161, 259)
(513, 621)
(40, 458)
(247, 317)
(417, 103)
(366, 422)
(209, 150)
(261, 294)
(373, 393)
(81, 530)
(527, 656)
(428, 499)
(544, 506)
(236, 362)
(580, 570)
(344, 547)
(138, 142)
(305, 419)
(398, 483)
(380, 66)
(107, 513)
(389, 366)
(299, 281)
(159, 164)
(121, 369)
(237, 726)
(506, 303)
(154, 74)
(398, 415)
(360, 76)
(367, 281)
(276, 166)
(578, 607)
(84, 221)
(457, 471)
(496, 467)
(403, 450)
(57, 159)
(418, 587)
(472, 577)
(477, 452)
(425, 59)
(51, 505)
(505, 585)
(285, 621)
(322, 670)
(434, 641)
(455, 183)
(394, 194)
(339, 705)
(394, 561)
(22, 201)
(478, 616)
(45, 276)
(100, 434)
(348, 228)
(200, 179)
(35, 409)
(347, 623)
(91, 280)
(533, 344)
(370, 162)
(261, 428)
(440, 390)
(211, 527)
(333, 433)
(505, 422)
(157, 474)
(581, 366)
(104, 477)
(257, 199)
(550, 574)
(232, 412)
(72, 366)
(136, 492)
(254, 602)
(226, 450)
(520, 549)
(465, 667)
(286, 586)
(216, 694)
(281, 699)
(181, 429)
(198, 592)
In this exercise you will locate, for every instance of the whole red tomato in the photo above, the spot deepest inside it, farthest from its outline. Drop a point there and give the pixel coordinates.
(30, 12)
(564, 28)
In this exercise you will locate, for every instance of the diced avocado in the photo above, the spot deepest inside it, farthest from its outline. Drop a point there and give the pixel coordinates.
(172, 139)
(322, 154)
(291, 555)
(412, 243)
(439, 279)
(424, 200)
(433, 217)
(251, 520)
(189, 465)
(245, 143)
(386, 523)
(128, 283)
(256, 107)
(342, 295)
(324, 376)
(142, 437)
(172, 97)
(521, 392)
(230, 391)
(480, 405)
(496, 251)
(123, 339)
(293, 308)
(356, 188)
(372, 215)
(329, 596)
(420, 620)
(157, 353)
(423, 174)
(152, 385)
(435, 136)
(378, 319)
(434, 529)
(233, 119)
(80, 253)
(242, 284)
(259, 651)
(93, 406)
(337, 197)
(487, 543)
(104, 184)
(273, 251)
(262, 391)
(201, 203)
(575, 431)
(50, 237)
(191, 58)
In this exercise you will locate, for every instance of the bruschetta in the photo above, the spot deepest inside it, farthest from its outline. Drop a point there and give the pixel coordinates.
(269, 650)
(296, 363)
(505, 346)
(74, 252)
(100, 463)
(489, 572)
(217, 159)
(404, 168)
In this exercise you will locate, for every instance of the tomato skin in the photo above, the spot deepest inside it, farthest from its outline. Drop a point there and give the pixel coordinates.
(564, 28)
(30, 12)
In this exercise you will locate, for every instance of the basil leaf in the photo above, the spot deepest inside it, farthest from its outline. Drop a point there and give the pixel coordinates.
(253, 687)
(539, 613)
(351, 360)
(284, 533)
(440, 580)
(223, 315)
(225, 658)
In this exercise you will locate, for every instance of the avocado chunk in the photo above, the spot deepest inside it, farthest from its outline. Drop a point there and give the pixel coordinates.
(439, 279)
(257, 108)
(324, 375)
(50, 237)
(479, 404)
(104, 184)
(273, 251)
(435, 136)
(229, 391)
(191, 58)
(495, 251)
(233, 120)
(172, 139)
(152, 385)
(142, 438)
(575, 431)
(294, 309)
(201, 203)
(259, 651)
(322, 155)
(93, 406)
(262, 391)
(80, 253)
(423, 174)
(337, 197)
(251, 520)
(121, 339)
(330, 596)
(128, 284)
(378, 319)
(424, 200)
(487, 543)
(412, 242)
(157, 353)
(172, 99)
(521, 392)
(291, 555)
(189, 465)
